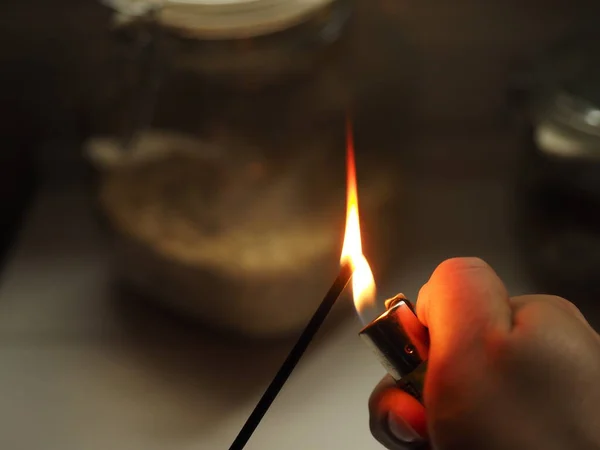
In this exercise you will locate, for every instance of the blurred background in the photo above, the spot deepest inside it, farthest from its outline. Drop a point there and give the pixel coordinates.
(172, 182)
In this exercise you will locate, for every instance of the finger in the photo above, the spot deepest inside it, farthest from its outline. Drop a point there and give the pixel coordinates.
(551, 300)
(463, 299)
(540, 310)
(397, 420)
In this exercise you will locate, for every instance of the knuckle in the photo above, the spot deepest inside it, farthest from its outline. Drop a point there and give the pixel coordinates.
(461, 264)
(566, 304)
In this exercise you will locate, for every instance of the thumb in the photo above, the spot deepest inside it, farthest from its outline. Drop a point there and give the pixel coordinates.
(397, 420)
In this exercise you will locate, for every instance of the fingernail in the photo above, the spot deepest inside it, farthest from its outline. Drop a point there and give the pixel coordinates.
(401, 430)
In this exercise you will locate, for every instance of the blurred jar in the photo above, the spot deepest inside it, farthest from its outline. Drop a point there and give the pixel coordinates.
(561, 168)
(221, 158)
(243, 42)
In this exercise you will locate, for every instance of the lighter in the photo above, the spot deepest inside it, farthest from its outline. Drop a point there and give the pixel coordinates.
(401, 343)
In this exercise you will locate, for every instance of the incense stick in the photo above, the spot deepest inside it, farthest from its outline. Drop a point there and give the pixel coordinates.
(293, 357)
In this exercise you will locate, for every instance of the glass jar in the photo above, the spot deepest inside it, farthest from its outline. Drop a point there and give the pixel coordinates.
(221, 164)
(560, 182)
(243, 42)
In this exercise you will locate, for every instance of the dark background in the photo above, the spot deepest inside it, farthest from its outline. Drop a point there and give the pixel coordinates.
(422, 70)
(432, 81)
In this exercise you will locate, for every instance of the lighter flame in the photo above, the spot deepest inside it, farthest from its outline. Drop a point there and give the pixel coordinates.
(363, 283)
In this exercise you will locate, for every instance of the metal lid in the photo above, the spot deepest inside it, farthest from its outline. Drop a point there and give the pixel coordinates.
(564, 87)
(221, 19)
(568, 127)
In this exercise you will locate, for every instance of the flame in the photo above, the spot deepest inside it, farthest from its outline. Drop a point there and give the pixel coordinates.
(363, 283)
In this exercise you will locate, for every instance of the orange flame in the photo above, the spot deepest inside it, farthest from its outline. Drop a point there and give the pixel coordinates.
(363, 283)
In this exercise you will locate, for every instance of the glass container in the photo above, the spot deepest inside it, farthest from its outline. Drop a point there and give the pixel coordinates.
(220, 157)
(560, 182)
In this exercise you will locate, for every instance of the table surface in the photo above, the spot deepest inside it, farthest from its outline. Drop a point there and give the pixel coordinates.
(91, 371)
(81, 368)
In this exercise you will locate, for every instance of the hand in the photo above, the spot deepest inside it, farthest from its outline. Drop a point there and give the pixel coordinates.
(519, 373)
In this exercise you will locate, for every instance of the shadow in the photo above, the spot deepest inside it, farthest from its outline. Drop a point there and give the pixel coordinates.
(206, 372)
(155, 370)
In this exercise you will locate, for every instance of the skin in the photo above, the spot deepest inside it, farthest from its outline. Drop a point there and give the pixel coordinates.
(519, 373)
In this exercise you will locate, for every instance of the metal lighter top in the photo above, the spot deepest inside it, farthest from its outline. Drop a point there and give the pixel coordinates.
(401, 343)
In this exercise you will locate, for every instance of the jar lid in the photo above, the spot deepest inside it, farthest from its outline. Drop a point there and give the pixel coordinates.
(221, 19)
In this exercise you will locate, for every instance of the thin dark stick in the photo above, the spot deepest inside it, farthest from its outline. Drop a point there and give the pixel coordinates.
(294, 356)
